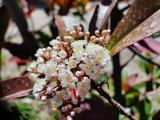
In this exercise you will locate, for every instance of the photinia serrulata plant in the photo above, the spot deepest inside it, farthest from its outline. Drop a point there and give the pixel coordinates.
(66, 71)
(63, 71)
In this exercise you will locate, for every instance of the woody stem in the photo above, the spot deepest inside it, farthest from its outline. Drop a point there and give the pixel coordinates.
(114, 103)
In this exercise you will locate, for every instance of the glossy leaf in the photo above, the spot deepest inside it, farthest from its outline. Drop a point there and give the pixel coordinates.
(132, 97)
(156, 73)
(15, 87)
(137, 13)
(145, 29)
(151, 45)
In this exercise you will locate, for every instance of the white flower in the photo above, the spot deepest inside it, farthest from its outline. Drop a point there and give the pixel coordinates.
(58, 59)
(37, 96)
(54, 42)
(53, 54)
(51, 68)
(96, 60)
(62, 73)
(62, 54)
(68, 38)
(69, 118)
(41, 68)
(60, 66)
(43, 98)
(33, 76)
(79, 46)
(57, 100)
(32, 66)
(65, 94)
(51, 87)
(49, 48)
(75, 57)
(66, 77)
(39, 85)
(39, 52)
(79, 73)
(79, 43)
(40, 60)
(49, 90)
(71, 63)
(83, 87)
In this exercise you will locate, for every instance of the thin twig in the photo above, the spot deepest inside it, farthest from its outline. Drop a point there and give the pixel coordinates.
(126, 63)
(114, 103)
(143, 57)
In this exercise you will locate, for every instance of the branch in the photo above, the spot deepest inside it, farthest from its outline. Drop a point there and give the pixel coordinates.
(114, 103)
(127, 61)
(143, 57)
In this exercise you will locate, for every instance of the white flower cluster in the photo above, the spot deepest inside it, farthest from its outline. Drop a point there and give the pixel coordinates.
(63, 72)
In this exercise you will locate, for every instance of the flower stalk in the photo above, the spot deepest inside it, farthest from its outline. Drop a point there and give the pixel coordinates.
(114, 103)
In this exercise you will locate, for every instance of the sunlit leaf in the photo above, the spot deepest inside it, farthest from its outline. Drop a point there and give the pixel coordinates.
(151, 45)
(102, 78)
(156, 72)
(147, 107)
(143, 65)
(132, 97)
(137, 13)
(145, 29)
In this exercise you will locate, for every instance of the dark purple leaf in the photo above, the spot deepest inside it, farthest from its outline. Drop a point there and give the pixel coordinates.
(92, 24)
(144, 30)
(101, 15)
(15, 87)
(137, 13)
(140, 48)
(151, 45)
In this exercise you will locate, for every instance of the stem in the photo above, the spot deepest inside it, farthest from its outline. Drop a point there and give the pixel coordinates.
(128, 61)
(143, 57)
(117, 79)
(116, 61)
(114, 103)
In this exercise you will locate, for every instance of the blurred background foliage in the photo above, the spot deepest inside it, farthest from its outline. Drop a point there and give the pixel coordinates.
(26, 25)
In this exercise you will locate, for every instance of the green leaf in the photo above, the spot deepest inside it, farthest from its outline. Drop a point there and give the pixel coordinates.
(56, 115)
(2, 59)
(102, 78)
(156, 72)
(141, 87)
(143, 65)
(27, 112)
(147, 107)
(131, 97)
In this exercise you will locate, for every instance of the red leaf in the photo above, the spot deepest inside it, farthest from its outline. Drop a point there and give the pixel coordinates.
(150, 26)
(140, 48)
(15, 87)
(151, 44)
(19, 60)
(137, 13)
